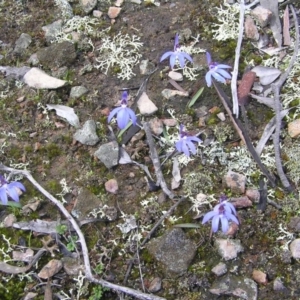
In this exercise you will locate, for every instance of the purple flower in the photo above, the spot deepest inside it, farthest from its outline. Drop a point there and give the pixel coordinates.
(185, 143)
(216, 71)
(224, 212)
(9, 189)
(176, 55)
(124, 113)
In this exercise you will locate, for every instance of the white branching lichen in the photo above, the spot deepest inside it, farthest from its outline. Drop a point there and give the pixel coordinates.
(228, 18)
(293, 165)
(121, 52)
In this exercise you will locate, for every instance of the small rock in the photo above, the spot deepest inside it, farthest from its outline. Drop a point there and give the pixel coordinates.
(201, 122)
(286, 256)
(220, 269)
(221, 116)
(108, 154)
(170, 122)
(278, 285)
(228, 249)
(52, 29)
(88, 5)
(262, 15)
(169, 94)
(235, 181)
(119, 2)
(295, 248)
(22, 43)
(72, 266)
(30, 296)
(241, 202)
(174, 250)
(111, 186)
(175, 76)
(294, 128)
(78, 91)
(259, 276)
(253, 195)
(241, 287)
(156, 126)
(145, 105)
(97, 14)
(87, 135)
(251, 30)
(144, 67)
(9, 220)
(23, 256)
(33, 60)
(155, 285)
(113, 12)
(50, 269)
(38, 79)
(294, 224)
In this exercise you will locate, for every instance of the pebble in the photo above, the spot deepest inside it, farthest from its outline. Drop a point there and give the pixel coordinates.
(259, 276)
(22, 43)
(294, 128)
(295, 248)
(170, 122)
(251, 30)
(97, 14)
(71, 266)
(155, 285)
(108, 154)
(50, 269)
(88, 5)
(175, 76)
(278, 285)
(220, 269)
(221, 116)
(228, 249)
(156, 126)
(262, 15)
(253, 195)
(111, 186)
(145, 105)
(113, 12)
(241, 202)
(87, 135)
(78, 91)
(168, 94)
(235, 181)
(9, 220)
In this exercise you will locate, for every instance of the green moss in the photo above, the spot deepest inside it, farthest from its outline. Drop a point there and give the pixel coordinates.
(53, 186)
(51, 150)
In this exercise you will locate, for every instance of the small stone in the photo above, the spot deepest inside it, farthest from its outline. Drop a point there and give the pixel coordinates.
(175, 76)
(78, 91)
(113, 12)
(294, 128)
(119, 2)
(52, 29)
(169, 94)
(71, 266)
(108, 154)
(97, 14)
(241, 202)
(228, 249)
(156, 126)
(259, 276)
(201, 122)
(50, 269)
(221, 116)
(235, 181)
(253, 195)
(145, 105)
(155, 285)
(262, 15)
(88, 5)
(22, 43)
(111, 186)
(251, 30)
(87, 135)
(170, 122)
(9, 220)
(220, 269)
(295, 248)
(278, 285)
(23, 256)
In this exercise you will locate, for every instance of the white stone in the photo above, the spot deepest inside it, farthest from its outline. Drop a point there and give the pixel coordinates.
(168, 94)
(175, 76)
(228, 249)
(38, 79)
(295, 248)
(145, 105)
(294, 128)
(221, 116)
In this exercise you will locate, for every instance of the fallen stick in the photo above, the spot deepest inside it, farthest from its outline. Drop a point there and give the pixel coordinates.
(85, 253)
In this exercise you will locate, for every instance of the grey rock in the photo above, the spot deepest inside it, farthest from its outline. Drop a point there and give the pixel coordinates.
(72, 266)
(52, 29)
(33, 60)
(278, 285)
(22, 43)
(262, 15)
(235, 181)
(295, 248)
(294, 224)
(251, 30)
(78, 91)
(286, 256)
(220, 269)
(88, 5)
(87, 135)
(228, 249)
(241, 287)
(155, 285)
(108, 154)
(174, 250)
(57, 55)
(14, 72)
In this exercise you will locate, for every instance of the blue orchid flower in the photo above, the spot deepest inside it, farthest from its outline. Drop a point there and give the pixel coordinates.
(216, 70)
(224, 212)
(9, 189)
(124, 113)
(176, 55)
(185, 143)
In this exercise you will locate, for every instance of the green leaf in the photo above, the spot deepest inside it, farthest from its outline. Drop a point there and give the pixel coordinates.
(187, 225)
(123, 130)
(196, 96)
(12, 204)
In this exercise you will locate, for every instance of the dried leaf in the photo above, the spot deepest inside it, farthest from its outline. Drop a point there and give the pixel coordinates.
(266, 75)
(245, 87)
(65, 112)
(286, 27)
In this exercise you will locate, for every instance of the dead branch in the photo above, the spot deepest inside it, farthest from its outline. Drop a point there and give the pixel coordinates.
(85, 253)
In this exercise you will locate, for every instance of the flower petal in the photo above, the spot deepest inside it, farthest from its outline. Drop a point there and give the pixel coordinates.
(191, 146)
(223, 66)
(12, 192)
(122, 118)
(208, 58)
(112, 113)
(224, 73)
(225, 225)
(172, 60)
(18, 185)
(167, 54)
(181, 60)
(185, 148)
(178, 145)
(132, 115)
(218, 77)
(208, 216)
(215, 223)
(187, 56)
(3, 196)
(208, 78)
